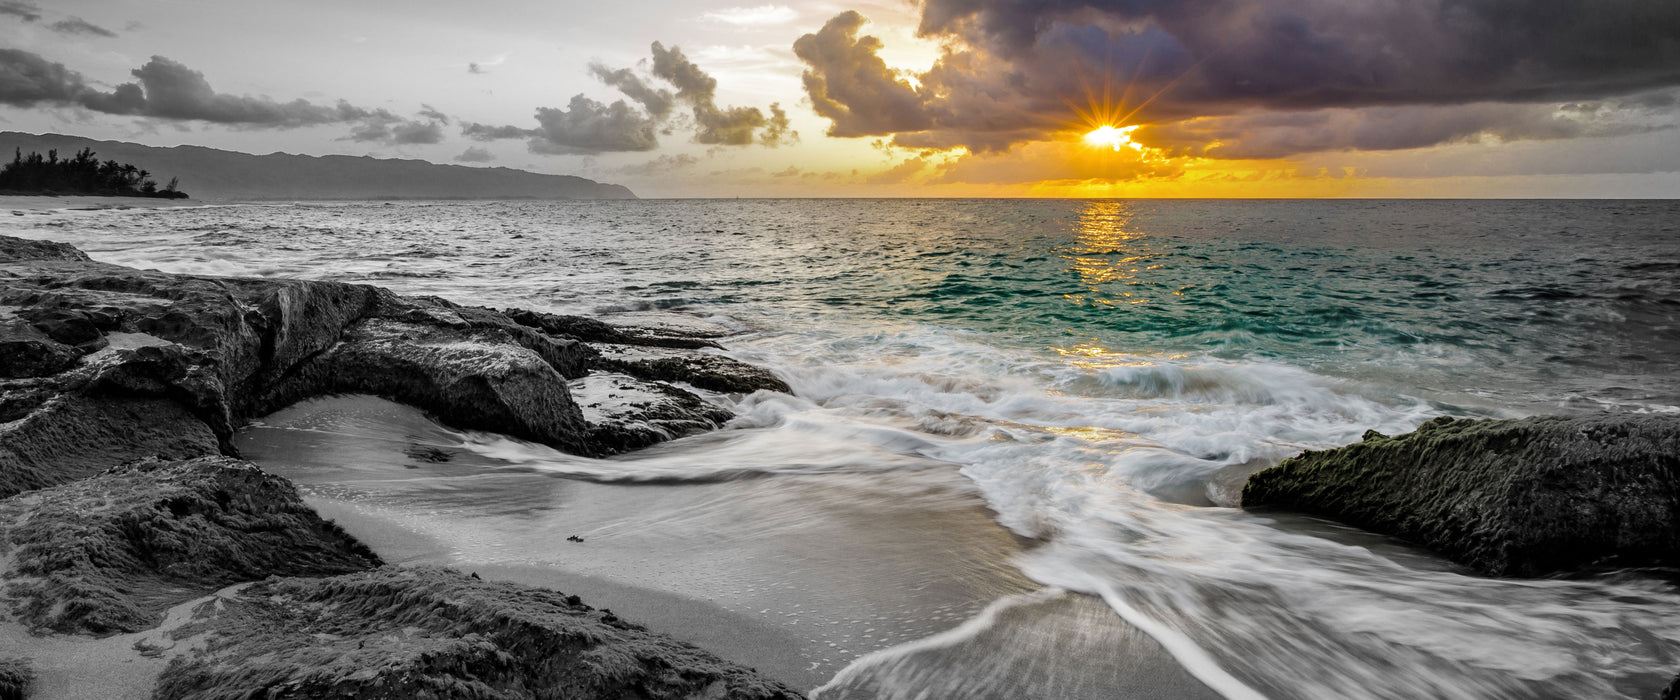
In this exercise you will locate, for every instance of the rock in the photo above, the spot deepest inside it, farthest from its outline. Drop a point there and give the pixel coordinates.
(434, 633)
(16, 678)
(625, 413)
(703, 370)
(110, 553)
(669, 335)
(1522, 497)
(101, 364)
(1672, 692)
(70, 436)
(471, 379)
(27, 352)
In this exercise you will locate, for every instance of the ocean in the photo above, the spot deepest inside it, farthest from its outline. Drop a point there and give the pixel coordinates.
(1017, 432)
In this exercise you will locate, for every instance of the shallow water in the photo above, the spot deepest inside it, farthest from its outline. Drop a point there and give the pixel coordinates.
(998, 396)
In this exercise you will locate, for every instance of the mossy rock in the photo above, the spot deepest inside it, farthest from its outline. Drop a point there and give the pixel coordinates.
(1526, 497)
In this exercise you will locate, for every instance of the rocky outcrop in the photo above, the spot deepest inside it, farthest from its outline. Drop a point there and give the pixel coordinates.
(103, 364)
(110, 553)
(1506, 497)
(120, 391)
(627, 413)
(16, 678)
(432, 633)
(658, 351)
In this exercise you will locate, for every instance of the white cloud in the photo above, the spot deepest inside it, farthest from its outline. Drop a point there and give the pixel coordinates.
(762, 15)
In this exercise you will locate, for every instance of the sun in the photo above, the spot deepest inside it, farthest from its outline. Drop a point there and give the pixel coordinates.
(1112, 137)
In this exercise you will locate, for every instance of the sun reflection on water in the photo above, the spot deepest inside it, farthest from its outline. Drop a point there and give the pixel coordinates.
(1109, 256)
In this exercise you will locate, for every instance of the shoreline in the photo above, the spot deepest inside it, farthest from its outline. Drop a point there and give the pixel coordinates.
(127, 509)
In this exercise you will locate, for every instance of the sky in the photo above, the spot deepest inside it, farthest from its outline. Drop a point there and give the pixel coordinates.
(919, 98)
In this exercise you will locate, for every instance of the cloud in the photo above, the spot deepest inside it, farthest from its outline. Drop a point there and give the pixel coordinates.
(400, 133)
(168, 90)
(851, 86)
(29, 12)
(25, 11)
(174, 91)
(77, 25)
(763, 15)
(489, 132)
(898, 173)
(656, 102)
(1280, 134)
(587, 126)
(482, 67)
(1018, 71)
(777, 129)
(433, 114)
(475, 154)
(661, 165)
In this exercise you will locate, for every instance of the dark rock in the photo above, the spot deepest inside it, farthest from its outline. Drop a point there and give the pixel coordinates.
(433, 633)
(706, 371)
(27, 352)
(72, 436)
(1506, 497)
(110, 553)
(625, 413)
(102, 364)
(24, 249)
(1672, 692)
(16, 678)
(597, 331)
(471, 379)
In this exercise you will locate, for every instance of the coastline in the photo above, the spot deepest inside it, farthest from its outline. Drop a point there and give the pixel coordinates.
(129, 513)
(53, 202)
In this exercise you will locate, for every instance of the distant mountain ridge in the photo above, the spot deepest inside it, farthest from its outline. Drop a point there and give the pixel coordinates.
(209, 173)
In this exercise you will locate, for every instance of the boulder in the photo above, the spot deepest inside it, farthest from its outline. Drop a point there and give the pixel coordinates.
(110, 553)
(627, 413)
(16, 678)
(1524, 497)
(426, 632)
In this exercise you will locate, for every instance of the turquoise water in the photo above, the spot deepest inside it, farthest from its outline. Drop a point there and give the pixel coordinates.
(1099, 374)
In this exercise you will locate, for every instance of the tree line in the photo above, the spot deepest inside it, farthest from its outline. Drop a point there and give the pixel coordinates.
(82, 174)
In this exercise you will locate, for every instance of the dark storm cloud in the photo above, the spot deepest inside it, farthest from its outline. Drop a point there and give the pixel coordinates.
(849, 84)
(77, 25)
(1278, 134)
(1025, 67)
